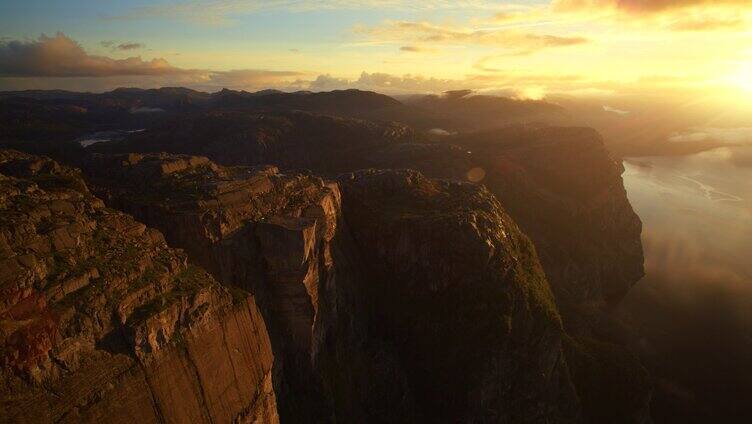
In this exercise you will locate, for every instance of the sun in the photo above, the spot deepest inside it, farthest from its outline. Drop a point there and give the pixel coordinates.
(743, 78)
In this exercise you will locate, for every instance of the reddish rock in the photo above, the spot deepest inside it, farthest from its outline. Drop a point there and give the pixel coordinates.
(101, 320)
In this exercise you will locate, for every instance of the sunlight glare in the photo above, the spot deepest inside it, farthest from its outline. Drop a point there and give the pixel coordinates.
(743, 79)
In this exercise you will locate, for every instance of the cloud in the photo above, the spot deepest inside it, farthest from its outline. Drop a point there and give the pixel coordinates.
(615, 110)
(250, 78)
(225, 12)
(411, 49)
(708, 23)
(327, 82)
(672, 15)
(60, 56)
(388, 83)
(60, 62)
(517, 85)
(644, 6)
(130, 46)
(518, 42)
(741, 135)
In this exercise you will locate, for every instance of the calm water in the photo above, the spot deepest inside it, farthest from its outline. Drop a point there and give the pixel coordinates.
(693, 310)
(696, 211)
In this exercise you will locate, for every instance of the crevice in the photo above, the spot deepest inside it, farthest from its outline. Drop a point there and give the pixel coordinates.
(204, 398)
(229, 355)
(154, 401)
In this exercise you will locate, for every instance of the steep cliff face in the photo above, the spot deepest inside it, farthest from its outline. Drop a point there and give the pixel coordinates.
(458, 290)
(100, 320)
(559, 184)
(415, 300)
(278, 236)
(318, 257)
(566, 192)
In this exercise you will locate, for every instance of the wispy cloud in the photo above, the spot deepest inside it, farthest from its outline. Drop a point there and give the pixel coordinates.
(673, 15)
(669, 15)
(225, 12)
(130, 46)
(115, 46)
(644, 6)
(708, 23)
(514, 41)
(412, 49)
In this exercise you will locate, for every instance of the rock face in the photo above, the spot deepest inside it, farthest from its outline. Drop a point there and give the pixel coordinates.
(390, 297)
(277, 236)
(565, 191)
(458, 290)
(101, 320)
(559, 184)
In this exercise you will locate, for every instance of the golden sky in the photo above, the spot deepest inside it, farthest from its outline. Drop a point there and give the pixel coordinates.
(524, 48)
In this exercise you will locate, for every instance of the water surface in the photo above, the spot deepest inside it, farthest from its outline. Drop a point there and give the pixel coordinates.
(693, 310)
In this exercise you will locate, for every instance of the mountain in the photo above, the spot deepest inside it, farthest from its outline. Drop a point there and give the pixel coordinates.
(585, 231)
(132, 108)
(462, 111)
(335, 102)
(401, 276)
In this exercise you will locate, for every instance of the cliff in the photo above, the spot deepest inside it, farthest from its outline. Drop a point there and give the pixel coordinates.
(279, 236)
(389, 296)
(566, 192)
(458, 290)
(559, 184)
(101, 320)
(393, 295)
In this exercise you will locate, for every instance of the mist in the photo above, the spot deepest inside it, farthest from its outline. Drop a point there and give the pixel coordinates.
(693, 309)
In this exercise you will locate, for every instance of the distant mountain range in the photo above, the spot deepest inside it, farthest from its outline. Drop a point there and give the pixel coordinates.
(26, 114)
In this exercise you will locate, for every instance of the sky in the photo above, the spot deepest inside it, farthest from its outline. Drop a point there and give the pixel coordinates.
(527, 48)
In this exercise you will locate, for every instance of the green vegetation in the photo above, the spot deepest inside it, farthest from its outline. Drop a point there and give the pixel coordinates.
(239, 295)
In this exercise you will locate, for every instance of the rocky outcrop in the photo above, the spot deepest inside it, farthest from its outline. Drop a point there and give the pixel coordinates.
(559, 184)
(276, 235)
(318, 256)
(390, 297)
(566, 192)
(458, 290)
(101, 320)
